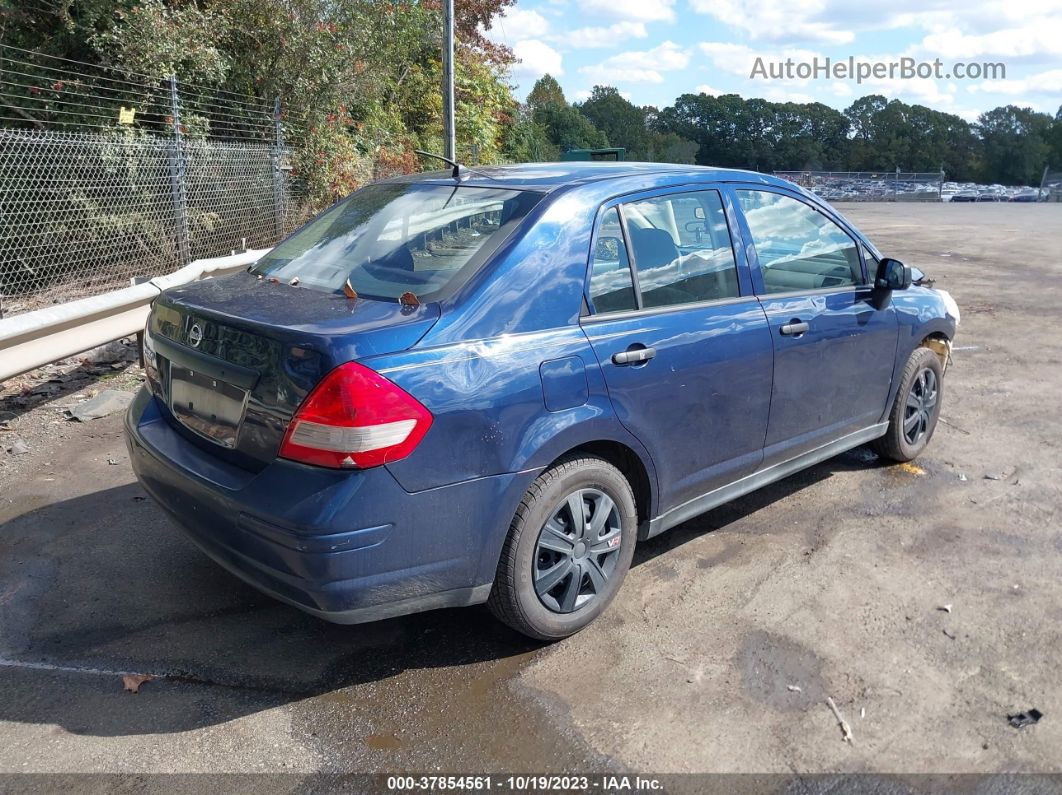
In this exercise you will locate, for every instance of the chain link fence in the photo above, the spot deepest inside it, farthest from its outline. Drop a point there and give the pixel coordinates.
(108, 177)
(871, 186)
(1051, 186)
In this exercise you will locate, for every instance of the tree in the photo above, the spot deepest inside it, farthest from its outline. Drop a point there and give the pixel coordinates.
(622, 122)
(546, 91)
(1054, 142)
(568, 129)
(564, 126)
(358, 79)
(1015, 149)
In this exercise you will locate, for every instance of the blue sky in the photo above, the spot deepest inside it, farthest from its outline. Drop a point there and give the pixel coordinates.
(655, 50)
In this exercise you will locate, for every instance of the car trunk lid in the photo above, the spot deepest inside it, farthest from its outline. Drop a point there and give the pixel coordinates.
(237, 355)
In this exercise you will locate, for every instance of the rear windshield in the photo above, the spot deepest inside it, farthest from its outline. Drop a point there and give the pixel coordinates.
(388, 239)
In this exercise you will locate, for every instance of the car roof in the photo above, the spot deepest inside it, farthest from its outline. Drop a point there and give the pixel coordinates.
(547, 177)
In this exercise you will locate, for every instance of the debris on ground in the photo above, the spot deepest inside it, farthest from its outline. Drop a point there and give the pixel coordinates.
(862, 712)
(846, 730)
(17, 446)
(132, 682)
(1023, 719)
(993, 476)
(112, 462)
(963, 477)
(948, 634)
(945, 608)
(109, 401)
(793, 688)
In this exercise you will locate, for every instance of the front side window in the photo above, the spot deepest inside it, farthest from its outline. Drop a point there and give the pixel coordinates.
(682, 250)
(393, 238)
(798, 248)
(872, 265)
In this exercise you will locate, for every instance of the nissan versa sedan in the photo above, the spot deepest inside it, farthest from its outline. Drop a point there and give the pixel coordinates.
(490, 385)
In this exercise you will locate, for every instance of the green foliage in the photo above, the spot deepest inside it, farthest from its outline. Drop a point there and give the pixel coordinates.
(527, 141)
(1015, 144)
(546, 91)
(153, 38)
(358, 79)
(667, 147)
(622, 122)
(1008, 145)
(359, 82)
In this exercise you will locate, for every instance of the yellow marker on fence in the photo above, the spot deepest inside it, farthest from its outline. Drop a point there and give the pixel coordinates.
(126, 115)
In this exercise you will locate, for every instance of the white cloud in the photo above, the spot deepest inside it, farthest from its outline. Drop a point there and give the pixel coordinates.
(1029, 30)
(588, 38)
(632, 10)
(639, 67)
(536, 58)
(1049, 82)
(704, 88)
(783, 94)
(738, 59)
(776, 20)
(1037, 39)
(516, 25)
(581, 96)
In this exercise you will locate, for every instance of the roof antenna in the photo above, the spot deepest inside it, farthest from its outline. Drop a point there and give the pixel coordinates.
(457, 166)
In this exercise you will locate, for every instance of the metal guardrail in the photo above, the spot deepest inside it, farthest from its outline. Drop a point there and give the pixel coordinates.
(47, 335)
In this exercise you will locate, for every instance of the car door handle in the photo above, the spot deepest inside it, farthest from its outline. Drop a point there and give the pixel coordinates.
(633, 355)
(794, 328)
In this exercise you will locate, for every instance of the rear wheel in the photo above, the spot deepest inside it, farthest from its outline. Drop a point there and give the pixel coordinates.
(568, 549)
(916, 409)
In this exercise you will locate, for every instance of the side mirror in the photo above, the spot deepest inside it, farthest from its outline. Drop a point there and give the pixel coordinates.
(893, 275)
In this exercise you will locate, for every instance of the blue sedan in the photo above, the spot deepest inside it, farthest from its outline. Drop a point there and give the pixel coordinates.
(490, 385)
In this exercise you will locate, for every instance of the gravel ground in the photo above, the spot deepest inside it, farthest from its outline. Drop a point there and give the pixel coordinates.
(718, 655)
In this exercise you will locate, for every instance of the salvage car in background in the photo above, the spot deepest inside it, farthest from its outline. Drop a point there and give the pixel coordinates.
(488, 386)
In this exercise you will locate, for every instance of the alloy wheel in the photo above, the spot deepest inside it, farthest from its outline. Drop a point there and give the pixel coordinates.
(918, 411)
(577, 551)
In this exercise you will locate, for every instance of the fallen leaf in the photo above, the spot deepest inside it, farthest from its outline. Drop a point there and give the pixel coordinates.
(132, 682)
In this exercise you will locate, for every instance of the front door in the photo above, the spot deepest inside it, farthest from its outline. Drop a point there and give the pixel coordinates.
(682, 341)
(834, 352)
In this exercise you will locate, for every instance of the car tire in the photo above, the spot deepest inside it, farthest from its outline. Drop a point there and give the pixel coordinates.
(534, 554)
(912, 419)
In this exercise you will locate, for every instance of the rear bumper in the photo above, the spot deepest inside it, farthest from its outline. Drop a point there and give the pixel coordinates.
(345, 546)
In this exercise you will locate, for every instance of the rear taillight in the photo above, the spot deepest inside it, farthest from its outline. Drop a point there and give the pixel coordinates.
(355, 418)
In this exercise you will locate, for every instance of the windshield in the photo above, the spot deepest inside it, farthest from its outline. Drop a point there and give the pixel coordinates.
(388, 239)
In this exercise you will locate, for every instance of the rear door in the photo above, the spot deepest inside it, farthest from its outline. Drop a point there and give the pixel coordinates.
(834, 352)
(681, 339)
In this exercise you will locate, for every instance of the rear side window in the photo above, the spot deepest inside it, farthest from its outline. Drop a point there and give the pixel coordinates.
(798, 247)
(611, 285)
(682, 249)
(388, 239)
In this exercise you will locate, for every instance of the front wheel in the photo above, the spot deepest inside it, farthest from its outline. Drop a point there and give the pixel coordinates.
(916, 409)
(568, 549)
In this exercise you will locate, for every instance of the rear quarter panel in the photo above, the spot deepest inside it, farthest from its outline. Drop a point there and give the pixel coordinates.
(489, 405)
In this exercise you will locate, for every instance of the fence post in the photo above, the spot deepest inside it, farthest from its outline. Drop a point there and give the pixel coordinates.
(940, 185)
(1043, 182)
(177, 176)
(279, 196)
(896, 185)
